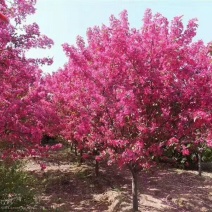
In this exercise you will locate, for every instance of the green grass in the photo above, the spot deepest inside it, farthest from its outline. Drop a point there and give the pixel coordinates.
(17, 188)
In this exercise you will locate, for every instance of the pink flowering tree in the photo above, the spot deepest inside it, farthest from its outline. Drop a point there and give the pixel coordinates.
(26, 113)
(79, 121)
(131, 93)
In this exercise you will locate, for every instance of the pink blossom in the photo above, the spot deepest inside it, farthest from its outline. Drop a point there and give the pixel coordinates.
(172, 141)
(185, 152)
(43, 166)
(57, 146)
(4, 18)
(98, 158)
(86, 156)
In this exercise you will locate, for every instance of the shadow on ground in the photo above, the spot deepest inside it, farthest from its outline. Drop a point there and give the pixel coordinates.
(68, 186)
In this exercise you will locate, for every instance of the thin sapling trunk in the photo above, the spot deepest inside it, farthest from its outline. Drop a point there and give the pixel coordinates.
(96, 168)
(200, 164)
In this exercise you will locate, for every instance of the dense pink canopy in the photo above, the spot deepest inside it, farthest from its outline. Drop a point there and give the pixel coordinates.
(132, 92)
(25, 112)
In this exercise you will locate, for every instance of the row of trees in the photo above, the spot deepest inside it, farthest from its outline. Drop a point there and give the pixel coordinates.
(125, 96)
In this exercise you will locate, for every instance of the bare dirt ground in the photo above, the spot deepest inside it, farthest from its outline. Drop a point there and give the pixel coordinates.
(67, 186)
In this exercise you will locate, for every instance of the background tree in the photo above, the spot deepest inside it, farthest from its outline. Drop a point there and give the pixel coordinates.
(24, 108)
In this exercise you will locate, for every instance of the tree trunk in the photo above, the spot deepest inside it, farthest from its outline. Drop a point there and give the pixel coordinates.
(75, 149)
(135, 190)
(200, 164)
(81, 158)
(72, 146)
(96, 168)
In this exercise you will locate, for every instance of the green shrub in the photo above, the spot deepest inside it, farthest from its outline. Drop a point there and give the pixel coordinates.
(207, 155)
(17, 188)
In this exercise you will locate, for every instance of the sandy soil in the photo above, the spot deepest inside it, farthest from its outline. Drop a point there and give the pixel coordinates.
(68, 186)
